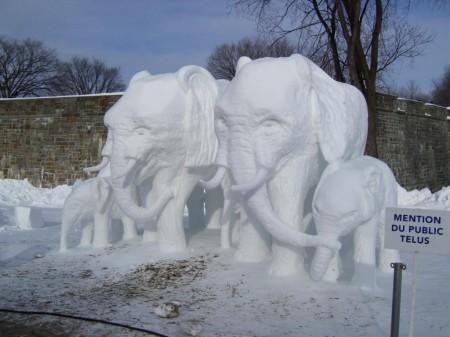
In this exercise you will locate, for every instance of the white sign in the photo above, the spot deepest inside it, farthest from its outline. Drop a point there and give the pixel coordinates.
(418, 230)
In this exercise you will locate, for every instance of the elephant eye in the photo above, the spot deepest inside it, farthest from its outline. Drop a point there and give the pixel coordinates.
(221, 122)
(270, 123)
(142, 131)
(221, 119)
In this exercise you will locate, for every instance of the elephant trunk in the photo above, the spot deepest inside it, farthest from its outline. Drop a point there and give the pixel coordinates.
(320, 262)
(258, 204)
(260, 179)
(120, 173)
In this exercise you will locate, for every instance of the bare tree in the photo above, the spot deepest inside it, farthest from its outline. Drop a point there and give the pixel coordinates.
(359, 39)
(84, 76)
(410, 90)
(26, 68)
(222, 62)
(441, 92)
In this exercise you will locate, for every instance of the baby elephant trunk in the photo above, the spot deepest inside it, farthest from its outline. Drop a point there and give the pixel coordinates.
(320, 262)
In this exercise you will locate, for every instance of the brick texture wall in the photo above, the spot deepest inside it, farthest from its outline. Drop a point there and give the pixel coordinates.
(50, 140)
(413, 138)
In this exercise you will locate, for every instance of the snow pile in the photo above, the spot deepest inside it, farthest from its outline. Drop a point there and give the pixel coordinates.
(22, 193)
(424, 198)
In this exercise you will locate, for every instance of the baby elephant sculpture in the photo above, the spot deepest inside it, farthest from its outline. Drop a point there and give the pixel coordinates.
(91, 203)
(353, 196)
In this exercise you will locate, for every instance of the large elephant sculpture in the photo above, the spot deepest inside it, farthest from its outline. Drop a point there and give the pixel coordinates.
(352, 196)
(281, 120)
(162, 131)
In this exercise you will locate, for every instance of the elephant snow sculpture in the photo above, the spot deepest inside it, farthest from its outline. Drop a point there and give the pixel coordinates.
(279, 118)
(162, 130)
(91, 203)
(353, 196)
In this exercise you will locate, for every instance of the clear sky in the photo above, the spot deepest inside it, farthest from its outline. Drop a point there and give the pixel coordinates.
(163, 35)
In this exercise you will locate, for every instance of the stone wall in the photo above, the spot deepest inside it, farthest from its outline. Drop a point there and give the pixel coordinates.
(50, 140)
(413, 138)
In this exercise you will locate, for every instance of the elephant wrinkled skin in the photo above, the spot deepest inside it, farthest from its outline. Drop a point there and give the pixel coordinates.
(283, 118)
(162, 130)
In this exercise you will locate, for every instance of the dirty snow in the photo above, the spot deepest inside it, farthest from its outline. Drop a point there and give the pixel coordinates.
(219, 297)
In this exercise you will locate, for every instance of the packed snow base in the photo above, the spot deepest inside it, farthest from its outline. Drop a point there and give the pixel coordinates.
(128, 281)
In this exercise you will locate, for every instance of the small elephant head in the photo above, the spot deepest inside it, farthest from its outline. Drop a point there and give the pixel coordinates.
(348, 195)
(161, 122)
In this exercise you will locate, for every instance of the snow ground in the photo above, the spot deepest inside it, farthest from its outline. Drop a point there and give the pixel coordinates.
(125, 282)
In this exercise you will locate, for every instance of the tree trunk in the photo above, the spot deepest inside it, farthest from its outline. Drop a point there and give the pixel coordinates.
(371, 146)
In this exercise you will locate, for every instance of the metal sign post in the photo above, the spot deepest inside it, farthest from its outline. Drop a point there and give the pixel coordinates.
(396, 297)
(412, 319)
(418, 231)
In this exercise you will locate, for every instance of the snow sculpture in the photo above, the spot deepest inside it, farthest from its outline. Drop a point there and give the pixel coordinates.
(162, 130)
(275, 122)
(353, 195)
(92, 204)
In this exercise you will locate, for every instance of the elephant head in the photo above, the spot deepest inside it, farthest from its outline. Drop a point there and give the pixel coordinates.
(278, 109)
(161, 123)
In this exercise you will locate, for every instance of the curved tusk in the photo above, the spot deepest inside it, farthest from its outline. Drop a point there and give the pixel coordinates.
(99, 167)
(141, 214)
(216, 180)
(260, 178)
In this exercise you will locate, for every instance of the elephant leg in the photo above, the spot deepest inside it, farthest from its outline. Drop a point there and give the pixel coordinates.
(288, 192)
(70, 217)
(171, 235)
(365, 237)
(101, 223)
(225, 236)
(129, 228)
(214, 207)
(195, 205)
(254, 241)
(150, 234)
(86, 234)
(64, 236)
(229, 225)
(235, 224)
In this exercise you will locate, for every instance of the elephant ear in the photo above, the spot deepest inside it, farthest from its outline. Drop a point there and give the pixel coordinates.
(243, 60)
(372, 181)
(339, 113)
(202, 92)
(374, 189)
(138, 76)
